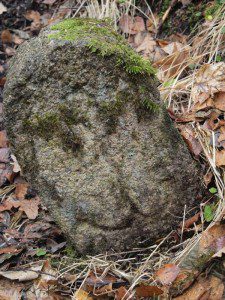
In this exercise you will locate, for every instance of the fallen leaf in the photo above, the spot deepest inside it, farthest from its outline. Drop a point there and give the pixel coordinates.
(4, 143)
(2, 81)
(30, 207)
(189, 222)
(167, 274)
(4, 155)
(81, 295)
(24, 275)
(152, 25)
(9, 291)
(6, 36)
(34, 16)
(211, 236)
(3, 8)
(173, 47)
(17, 40)
(213, 286)
(139, 24)
(209, 79)
(9, 250)
(126, 24)
(171, 65)
(21, 190)
(147, 45)
(188, 135)
(148, 291)
(219, 100)
(220, 158)
(122, 294)
(208, 178)
(209, 103)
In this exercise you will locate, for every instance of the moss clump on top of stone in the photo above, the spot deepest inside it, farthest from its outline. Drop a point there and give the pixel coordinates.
(101, 38)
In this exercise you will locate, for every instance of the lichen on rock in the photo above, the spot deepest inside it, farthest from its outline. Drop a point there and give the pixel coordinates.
(93, 138)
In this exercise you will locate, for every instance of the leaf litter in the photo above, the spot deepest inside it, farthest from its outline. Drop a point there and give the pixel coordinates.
(193, 86)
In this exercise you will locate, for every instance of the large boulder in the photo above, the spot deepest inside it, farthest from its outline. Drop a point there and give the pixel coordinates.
(83, 114)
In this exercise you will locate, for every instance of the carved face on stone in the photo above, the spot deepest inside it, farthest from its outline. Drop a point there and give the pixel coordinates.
(94, 140)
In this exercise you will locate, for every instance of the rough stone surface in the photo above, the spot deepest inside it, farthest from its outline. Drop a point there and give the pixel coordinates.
(111, 172)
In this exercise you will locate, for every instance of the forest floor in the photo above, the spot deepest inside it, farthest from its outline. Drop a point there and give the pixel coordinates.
(185, 40)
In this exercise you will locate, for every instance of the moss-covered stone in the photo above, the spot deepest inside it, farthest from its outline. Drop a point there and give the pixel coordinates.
(101, 38)
(84, 132)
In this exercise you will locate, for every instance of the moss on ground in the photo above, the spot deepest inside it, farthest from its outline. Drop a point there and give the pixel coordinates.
(102, 39)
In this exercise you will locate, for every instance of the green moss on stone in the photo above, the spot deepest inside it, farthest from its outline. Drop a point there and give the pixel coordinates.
(49, 126)
(101, 38)
(43, 125)
(150, 105)
(72, 116)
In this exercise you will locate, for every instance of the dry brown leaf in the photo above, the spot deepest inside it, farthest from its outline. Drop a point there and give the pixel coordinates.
(219, 100)
(173, 47)
(167, 274)
(81, 295)
(6, 36)
(151, 25)
(212, 286)
(189, 137)
(4, 155)
(2, 81)
(4, 143)
(148, 291)
(126, 24)
(170, 66)
(209, 79)
(178, 37)
(21, 190)
(208, 178)
(209, 103)
(17, 40)
(220, 158)
(190, 221)
(221, 137)
(30, 207)
(147, 46)
(122, 294)
(9, 291)
(34, 16)
(25, 275)
(210, 237)
(139, 24)
(9, 250)
(48, 277)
